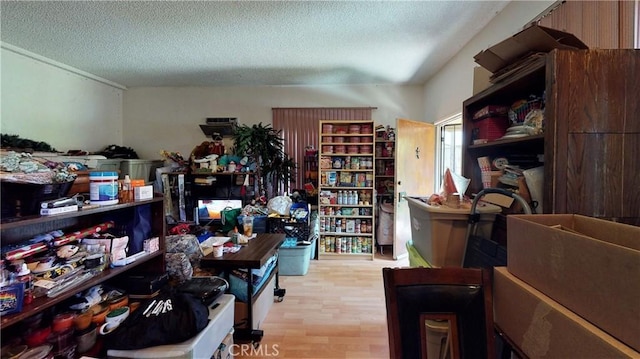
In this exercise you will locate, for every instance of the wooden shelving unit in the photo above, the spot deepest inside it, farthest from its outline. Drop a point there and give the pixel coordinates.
(21, 230)
(590, 130)
(346, 190)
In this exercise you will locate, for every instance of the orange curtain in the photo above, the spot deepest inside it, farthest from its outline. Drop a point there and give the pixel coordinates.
(300, 129)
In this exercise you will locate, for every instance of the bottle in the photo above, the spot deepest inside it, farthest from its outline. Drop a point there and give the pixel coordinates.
(340, 197)
(234, 235)
(126, 188)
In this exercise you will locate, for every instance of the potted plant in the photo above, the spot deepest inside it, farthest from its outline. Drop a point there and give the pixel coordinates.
(264, 146)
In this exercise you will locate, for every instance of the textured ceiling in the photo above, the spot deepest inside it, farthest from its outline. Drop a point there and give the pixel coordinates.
(215, 43)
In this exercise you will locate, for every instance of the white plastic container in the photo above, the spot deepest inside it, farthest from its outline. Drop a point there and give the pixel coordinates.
(103, 188)
(439, 232)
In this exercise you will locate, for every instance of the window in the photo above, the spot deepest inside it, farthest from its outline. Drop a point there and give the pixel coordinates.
(449, 147)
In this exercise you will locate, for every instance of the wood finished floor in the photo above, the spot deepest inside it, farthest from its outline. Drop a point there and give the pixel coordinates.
(337, 310)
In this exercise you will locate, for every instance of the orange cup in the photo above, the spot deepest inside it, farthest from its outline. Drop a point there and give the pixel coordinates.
(83, 320)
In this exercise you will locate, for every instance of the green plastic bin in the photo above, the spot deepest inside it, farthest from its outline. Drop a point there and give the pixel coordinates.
(415, 259)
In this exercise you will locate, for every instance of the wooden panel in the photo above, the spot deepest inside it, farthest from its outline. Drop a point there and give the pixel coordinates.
(631, 59)
(599, 24)
(628, 21)
(595, 89)
(631, 176)
(594, 175)
(556, 124)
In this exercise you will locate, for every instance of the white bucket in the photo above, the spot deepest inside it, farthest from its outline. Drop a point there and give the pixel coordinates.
(103, 188)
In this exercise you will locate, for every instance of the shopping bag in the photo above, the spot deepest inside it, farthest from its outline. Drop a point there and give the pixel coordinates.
(229, 218)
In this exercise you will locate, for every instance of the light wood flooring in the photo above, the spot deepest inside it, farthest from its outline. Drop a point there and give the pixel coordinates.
(337, 310)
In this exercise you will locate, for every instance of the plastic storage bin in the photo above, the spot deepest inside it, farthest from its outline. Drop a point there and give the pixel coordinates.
(293, 258)
(298, 230)
(140, 169)
(439, 232)
(259, 224)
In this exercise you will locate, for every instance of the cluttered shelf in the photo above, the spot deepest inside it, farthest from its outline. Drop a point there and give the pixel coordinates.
(42, 303)
(37, 220)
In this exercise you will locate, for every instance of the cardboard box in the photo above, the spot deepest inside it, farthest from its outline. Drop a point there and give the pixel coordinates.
(532, 39)
(481, 79)
(542, 328)
(591, 266)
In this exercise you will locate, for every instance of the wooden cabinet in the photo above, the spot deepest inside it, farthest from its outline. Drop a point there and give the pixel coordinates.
(19, 231)
(591, 137)
(346, 193)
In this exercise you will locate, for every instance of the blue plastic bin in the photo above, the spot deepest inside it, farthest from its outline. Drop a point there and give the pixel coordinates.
(293, 258)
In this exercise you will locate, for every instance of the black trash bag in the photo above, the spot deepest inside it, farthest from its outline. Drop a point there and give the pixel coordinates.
(114, 151)
(169, 318)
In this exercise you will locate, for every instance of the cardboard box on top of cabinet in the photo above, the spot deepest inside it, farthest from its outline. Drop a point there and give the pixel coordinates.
(589, 265)
(542, 328)
(530, 40)
(481, 79)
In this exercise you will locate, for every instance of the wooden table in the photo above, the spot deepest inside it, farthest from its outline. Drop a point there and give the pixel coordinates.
(251, 256)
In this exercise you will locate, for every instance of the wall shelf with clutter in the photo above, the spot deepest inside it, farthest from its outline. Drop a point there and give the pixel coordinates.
(75, 279)
(557, 121)
(346, 190)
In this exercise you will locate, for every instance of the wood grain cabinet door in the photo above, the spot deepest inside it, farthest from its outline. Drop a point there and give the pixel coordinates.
(594, 114)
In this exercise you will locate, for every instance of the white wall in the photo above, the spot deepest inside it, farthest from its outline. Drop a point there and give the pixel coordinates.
(168, 118)
(46, 103)
(445, 92)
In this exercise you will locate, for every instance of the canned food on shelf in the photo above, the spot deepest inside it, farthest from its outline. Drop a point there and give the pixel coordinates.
(341, 130)
(353, 149)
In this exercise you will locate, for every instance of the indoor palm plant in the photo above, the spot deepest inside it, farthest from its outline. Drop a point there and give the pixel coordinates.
(264, 146)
